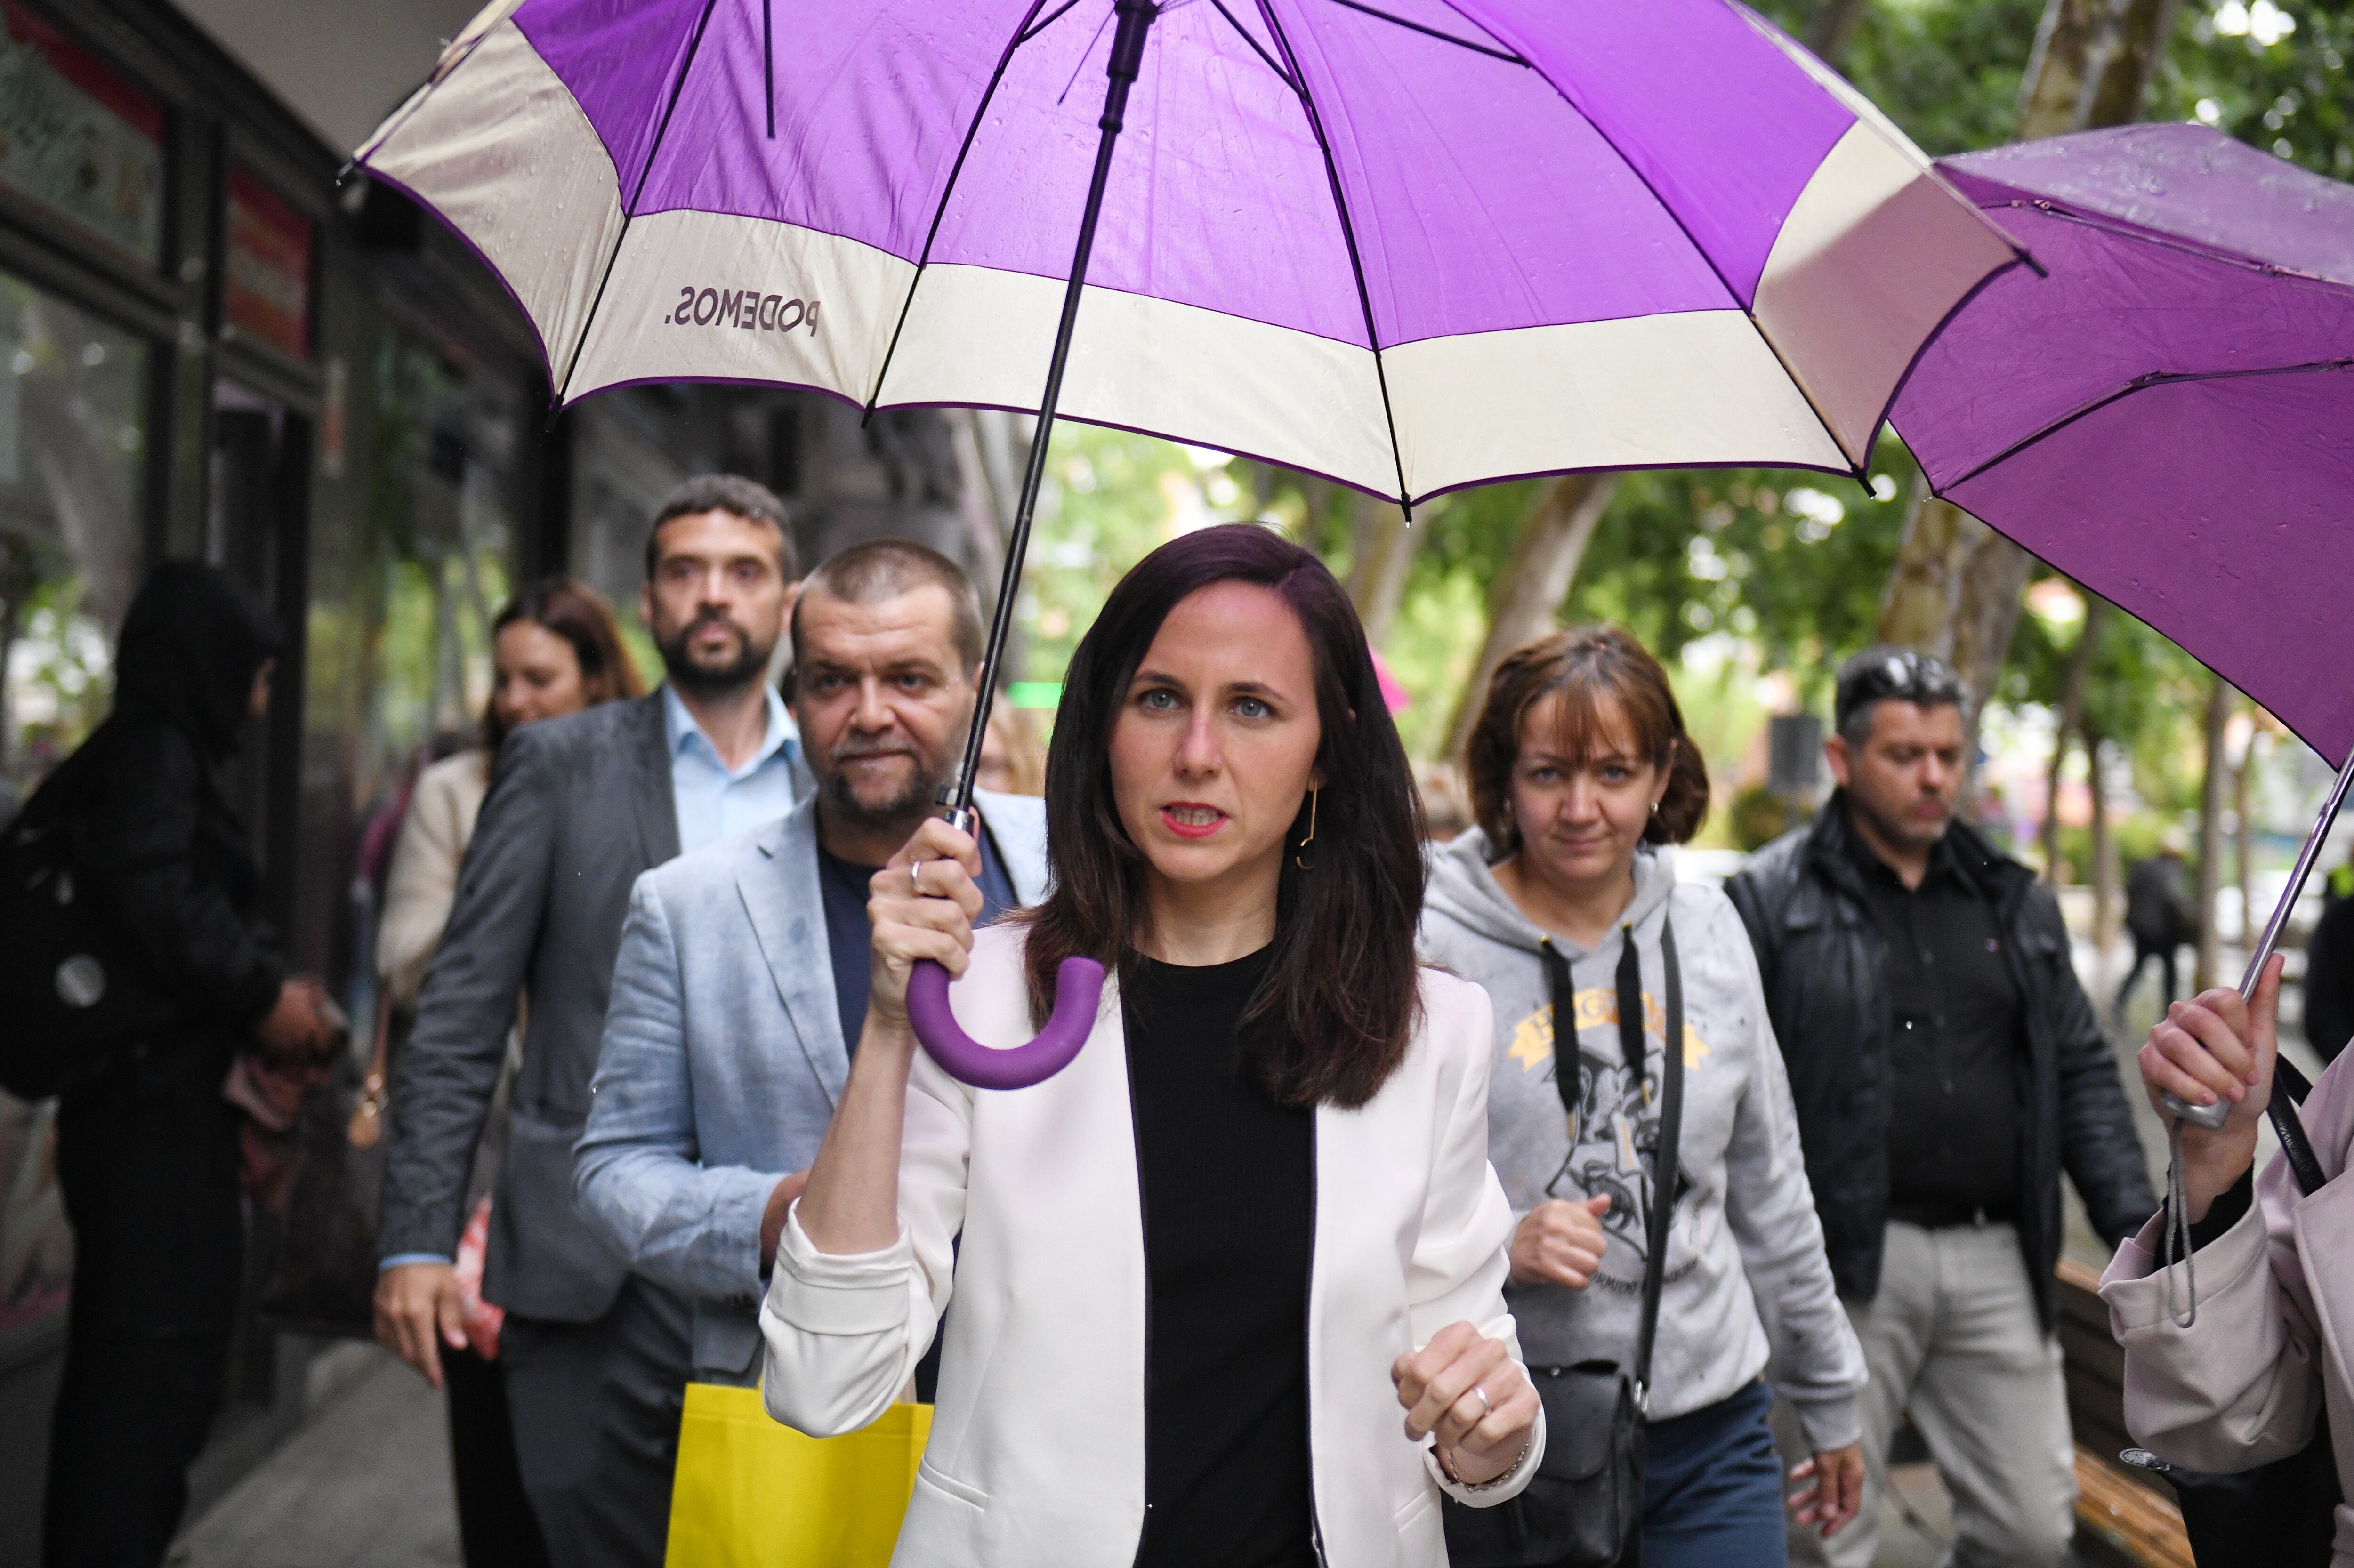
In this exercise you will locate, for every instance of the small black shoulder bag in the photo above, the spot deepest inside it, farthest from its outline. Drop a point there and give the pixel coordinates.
(1583, 1508)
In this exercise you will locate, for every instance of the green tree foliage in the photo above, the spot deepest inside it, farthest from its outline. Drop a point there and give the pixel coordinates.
(1947, 71)
(2142, 692)
(2272, 73)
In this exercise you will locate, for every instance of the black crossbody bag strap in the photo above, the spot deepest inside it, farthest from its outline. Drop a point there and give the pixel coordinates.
(1665, 1173)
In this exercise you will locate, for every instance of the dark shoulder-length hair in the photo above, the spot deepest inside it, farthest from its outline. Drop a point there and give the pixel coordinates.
(1340, 1002)
(578, 613)
(1583, 666)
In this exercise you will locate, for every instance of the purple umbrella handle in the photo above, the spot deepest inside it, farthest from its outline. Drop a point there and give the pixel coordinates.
(1078, 992)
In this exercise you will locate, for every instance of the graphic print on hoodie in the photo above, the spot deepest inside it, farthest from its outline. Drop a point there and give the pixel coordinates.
(1747, 1284)
(1614, 1131)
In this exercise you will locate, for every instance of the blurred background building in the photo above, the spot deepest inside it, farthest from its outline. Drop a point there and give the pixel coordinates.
(208, 347)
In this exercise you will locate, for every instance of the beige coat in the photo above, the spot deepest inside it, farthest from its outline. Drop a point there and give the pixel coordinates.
(423, 882)
(2269, 1352)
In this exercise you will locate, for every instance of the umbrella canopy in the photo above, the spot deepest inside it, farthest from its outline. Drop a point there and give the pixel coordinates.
(1411, 245)
(2168, 418)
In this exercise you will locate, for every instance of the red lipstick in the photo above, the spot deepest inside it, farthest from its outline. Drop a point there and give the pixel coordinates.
(1174, 817)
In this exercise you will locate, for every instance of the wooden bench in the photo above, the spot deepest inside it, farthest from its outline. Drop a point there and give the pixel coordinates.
(2126, 1514)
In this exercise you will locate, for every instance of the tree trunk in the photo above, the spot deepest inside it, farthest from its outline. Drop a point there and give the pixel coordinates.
(980, 501)
(2091, 67)
(1381, 557)
(1830, 27)
(2056, 867)
(2211, 832)
(1955, 595)
(1522, 602)
(2108, 874)
(2092, 63)
(2072, 721)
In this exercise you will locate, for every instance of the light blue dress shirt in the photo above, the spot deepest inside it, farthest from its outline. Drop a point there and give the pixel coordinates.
(714, 801)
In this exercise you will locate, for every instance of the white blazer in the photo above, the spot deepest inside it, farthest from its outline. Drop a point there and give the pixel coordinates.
(1036, 1457)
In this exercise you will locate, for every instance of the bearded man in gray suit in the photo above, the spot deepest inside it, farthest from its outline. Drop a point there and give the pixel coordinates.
(594, 1359)
(742, 980)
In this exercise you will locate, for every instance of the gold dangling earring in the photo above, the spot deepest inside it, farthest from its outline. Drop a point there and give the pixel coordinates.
(1312, 792)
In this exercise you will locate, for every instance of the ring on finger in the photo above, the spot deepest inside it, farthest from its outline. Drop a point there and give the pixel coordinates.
(915, 885)
(1487, 1407)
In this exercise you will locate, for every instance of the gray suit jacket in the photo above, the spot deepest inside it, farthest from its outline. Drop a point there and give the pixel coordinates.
(578, 807)
(723, 1061)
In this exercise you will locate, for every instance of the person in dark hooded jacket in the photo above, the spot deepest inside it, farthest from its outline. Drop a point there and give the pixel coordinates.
(147, 1147)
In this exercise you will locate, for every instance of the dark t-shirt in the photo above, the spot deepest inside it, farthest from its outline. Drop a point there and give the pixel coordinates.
(1228, 1183)
(1960, 1048)
(851, 941)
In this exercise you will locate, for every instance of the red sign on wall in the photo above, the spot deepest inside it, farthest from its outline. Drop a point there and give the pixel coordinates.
(268, 291)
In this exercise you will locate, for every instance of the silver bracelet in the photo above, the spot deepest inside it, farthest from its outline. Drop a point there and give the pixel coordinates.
(1506, 1474)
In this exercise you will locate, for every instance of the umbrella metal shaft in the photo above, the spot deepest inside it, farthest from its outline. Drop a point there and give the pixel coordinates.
(1136, 18)
(2298, 873)
(2293, 1141)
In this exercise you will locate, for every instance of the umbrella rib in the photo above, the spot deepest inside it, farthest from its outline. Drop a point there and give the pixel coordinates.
(430, 85)
(1434, 33)
(2102, 223)
(1023, 33)
(630, 212)
(1280, 74)
(1048, 20)
(1855, 468)
(2142, 383)
(1349, 236)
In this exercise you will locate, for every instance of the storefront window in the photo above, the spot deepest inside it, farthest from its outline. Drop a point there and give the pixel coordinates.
(78, 136)
(73, 400)
(412, 552)
(73, 460)
(267, 292)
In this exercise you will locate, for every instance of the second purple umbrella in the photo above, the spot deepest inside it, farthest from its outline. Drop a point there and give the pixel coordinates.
(2168, 416)
(1414, 246)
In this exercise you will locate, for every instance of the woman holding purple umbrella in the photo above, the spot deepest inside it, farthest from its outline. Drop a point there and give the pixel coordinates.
(1230, 1286)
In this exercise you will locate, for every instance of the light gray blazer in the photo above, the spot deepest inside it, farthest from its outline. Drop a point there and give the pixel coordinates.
(723, 1060)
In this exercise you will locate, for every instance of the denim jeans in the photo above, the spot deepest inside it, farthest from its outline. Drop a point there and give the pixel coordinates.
(1712, 1487)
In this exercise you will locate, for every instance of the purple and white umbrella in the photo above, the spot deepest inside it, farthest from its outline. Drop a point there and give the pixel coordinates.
(1413, 245)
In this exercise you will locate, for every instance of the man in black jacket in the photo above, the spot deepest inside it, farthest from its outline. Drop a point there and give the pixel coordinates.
(1945, 1064)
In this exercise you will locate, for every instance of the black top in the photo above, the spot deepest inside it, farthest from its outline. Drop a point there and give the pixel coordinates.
(152, 830)
(1959, 1045)
(2329, 981)
(850, 940)
(1228, 1183)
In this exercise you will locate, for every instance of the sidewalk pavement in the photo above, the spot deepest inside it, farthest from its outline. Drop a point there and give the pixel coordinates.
(364, 1484)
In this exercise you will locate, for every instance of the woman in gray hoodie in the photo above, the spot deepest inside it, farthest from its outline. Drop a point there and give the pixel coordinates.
(1580, 774)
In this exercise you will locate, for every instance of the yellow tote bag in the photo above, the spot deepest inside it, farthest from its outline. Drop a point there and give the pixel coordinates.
(753, 1493)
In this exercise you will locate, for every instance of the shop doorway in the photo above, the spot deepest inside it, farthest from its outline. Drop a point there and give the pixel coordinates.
(256, 524)
(256, 527)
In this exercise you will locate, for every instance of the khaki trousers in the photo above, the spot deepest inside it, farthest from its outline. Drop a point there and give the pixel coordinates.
(1954, 1339)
